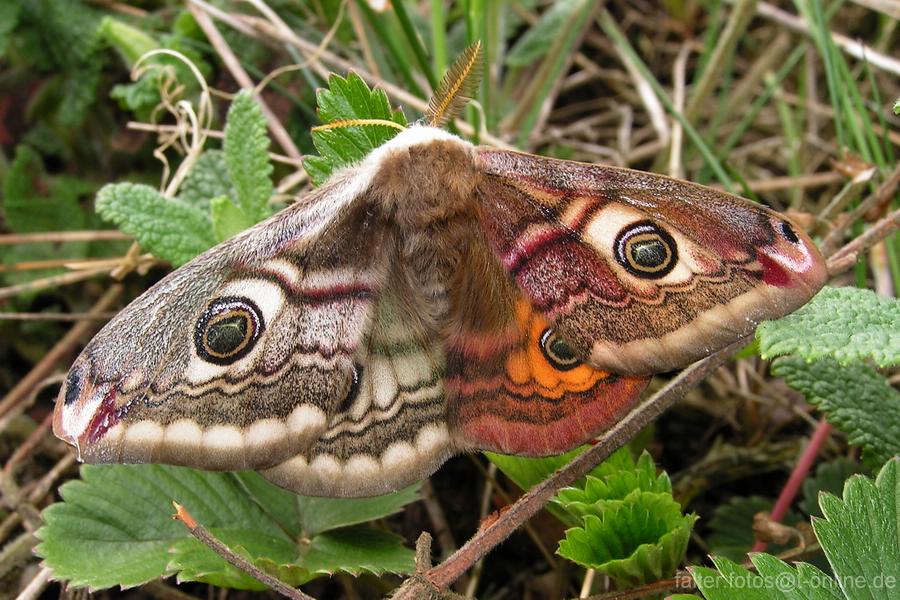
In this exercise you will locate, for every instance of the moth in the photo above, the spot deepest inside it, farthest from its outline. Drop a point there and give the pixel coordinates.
(436, 298)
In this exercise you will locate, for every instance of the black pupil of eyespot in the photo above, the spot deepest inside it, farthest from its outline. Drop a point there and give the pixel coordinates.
(646, 250)
(789, 233)
(226, 335)
(561, 350)
(557, 352)
(649, 253)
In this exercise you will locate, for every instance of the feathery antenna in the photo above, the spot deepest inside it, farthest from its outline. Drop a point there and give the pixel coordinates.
(456, 88)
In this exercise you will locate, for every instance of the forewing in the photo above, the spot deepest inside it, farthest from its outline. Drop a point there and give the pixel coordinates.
(238, 359)
(640, 273)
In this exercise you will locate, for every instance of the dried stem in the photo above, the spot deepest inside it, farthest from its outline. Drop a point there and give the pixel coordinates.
(240, 75)
(488, 537)
(62, 236)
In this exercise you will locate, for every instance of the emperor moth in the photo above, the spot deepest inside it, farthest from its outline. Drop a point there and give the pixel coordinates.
(437, 297)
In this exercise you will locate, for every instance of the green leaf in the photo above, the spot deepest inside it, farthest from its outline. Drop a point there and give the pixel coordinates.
(115, 527)
(170, 229)
(349, 98)
(634, 541)
(830, 477)
(847, 324)
(860, 534)
(9, 18)
(776, 580)
(855, 398)
(614, 481)
(528, 472)
(131, 42)
(227, 218)
(324, 514)
(207, 179)
(246, 148)
(535, 42)
(356, 550)
(731, 527)
(194, 561)
(34, 202)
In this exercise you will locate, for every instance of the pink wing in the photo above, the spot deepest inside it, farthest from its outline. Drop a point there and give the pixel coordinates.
(641, 273)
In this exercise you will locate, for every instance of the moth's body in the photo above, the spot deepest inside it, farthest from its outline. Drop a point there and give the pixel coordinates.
(438, 297)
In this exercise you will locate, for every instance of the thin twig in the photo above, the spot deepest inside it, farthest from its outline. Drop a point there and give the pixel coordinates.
(852, 47)
(238, 561)
(534, 500)
(798, 475)
(40, 316)
(734, 30)
(243, 79)
(36, 586)
(52, 281)
(880, 230)
(261, 29)
(62, 236)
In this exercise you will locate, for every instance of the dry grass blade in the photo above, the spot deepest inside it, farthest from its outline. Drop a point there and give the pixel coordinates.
(456, 88)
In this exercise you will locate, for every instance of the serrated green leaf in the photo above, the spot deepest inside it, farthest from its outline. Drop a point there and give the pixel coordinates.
(227, 218)
(169, 229)
(776, 580)
(115, 527)
(829, 477)
(860, 534)
(207, 179)
(527, 472)
(246, 148)
(324, 514)
(855, 398)
(349, 98)
(537, 40)
(356, 550)
(847, 324)
(614, 480)
(194, 561)
(634, 541)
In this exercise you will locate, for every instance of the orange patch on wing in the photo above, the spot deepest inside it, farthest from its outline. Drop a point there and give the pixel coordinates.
(527, 365)
(524, 404)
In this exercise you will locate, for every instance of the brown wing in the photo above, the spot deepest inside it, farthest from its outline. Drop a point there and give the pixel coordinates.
(640, 273)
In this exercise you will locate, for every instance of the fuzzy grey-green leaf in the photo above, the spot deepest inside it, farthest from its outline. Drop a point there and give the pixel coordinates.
(855, 398)
(169, 229)
(246, 148)
(847, 324)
